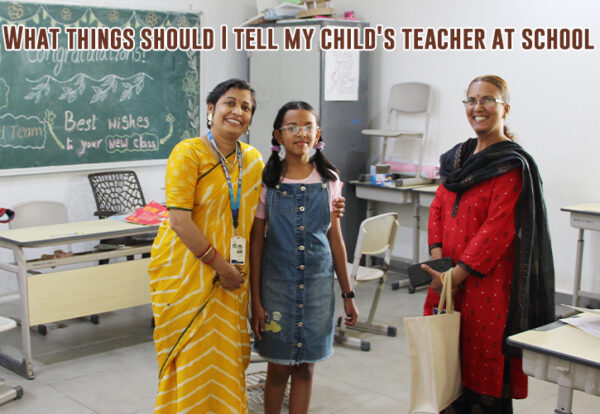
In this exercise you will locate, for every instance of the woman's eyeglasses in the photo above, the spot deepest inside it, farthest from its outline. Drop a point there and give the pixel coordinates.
(485, 101)
(295, 129)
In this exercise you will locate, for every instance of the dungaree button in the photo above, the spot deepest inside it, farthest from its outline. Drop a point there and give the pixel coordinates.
(301, 228)
(301, 248)
(299, 344)
(277, 186)
(299, 324)
(300, 306)
(323, 185)
(301, 208)
(301, 267)
(300, 286)
(284, 193)
(303, 188)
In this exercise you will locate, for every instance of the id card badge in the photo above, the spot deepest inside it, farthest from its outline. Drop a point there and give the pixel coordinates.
(237, 253)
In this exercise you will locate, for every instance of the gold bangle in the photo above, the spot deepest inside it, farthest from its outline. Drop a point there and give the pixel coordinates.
(206, 252)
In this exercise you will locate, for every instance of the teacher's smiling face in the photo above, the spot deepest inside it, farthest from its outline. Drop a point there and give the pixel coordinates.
(233, 112)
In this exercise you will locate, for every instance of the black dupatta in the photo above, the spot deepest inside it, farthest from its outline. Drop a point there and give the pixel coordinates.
(531, 301)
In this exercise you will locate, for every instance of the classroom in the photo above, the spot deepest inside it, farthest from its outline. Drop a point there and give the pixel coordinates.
(548, 53)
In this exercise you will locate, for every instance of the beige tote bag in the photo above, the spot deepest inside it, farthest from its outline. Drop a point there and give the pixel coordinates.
(433, 342)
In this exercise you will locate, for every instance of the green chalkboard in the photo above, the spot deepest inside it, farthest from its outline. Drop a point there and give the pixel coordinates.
(66, 107)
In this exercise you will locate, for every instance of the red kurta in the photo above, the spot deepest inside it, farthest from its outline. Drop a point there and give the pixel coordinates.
(480, 235)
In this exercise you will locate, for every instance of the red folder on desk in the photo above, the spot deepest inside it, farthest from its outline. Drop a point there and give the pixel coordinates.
(152, 213)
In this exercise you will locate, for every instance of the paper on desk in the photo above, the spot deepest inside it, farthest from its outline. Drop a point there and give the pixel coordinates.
(580, 309)
(590, 324)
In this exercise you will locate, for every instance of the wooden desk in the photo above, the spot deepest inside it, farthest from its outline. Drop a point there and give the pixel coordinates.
(584, 217)
(564, 355)
(417, 195)
(60, 295)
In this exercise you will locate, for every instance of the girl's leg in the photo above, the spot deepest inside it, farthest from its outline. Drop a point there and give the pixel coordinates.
(300, 390)
(277, 378)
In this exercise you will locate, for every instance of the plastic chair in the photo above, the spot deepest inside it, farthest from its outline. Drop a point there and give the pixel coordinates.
(115, 193)
(8, 393)
(42, 213)
(408, 116)
(376, 236)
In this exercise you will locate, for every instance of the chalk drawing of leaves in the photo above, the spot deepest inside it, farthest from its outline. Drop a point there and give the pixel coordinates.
(80, 83)
(127, 93)
(112, 82)
(69, 94)
(36, 92)
(99, 94)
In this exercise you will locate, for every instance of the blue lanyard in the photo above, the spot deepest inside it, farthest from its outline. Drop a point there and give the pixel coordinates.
(235, 203)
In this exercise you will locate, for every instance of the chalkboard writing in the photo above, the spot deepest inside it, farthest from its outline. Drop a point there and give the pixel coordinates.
(61, 107)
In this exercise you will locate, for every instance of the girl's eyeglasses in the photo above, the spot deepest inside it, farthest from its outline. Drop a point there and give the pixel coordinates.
(295, 129)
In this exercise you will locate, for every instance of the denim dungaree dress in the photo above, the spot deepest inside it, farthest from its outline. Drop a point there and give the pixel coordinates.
(297, 275)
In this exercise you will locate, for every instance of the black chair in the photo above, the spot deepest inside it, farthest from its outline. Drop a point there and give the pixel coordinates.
(115, 193)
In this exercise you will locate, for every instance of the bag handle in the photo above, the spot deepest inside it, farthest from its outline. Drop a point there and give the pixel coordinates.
(446, 294)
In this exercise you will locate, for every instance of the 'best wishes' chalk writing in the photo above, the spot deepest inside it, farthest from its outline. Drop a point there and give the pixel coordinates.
(19, 37)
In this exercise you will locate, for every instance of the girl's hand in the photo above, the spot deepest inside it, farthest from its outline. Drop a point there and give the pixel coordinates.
(351, 312)
(339, 206)
(231, 278)
(258, 320)
(436, 282)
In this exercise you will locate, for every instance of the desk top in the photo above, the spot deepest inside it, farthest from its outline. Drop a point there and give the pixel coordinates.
(72, 232)
(586, 208)
(427, 189)
(561, 341)
(385, 187)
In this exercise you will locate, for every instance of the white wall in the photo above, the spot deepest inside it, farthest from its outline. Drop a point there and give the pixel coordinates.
(72, 188)
(554, 106)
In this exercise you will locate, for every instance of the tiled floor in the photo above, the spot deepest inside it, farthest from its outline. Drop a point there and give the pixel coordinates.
(111, 368)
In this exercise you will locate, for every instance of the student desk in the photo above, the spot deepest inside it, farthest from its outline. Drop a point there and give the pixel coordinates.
(92, 289)
(562, 354)
(417, 195)
(584, 217)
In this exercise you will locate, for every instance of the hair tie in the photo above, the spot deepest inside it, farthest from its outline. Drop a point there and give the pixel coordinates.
(320, 145)
(275, 148)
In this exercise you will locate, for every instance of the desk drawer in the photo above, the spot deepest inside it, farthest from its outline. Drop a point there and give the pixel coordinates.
(87, 291)
(585, 221)
(388, 195)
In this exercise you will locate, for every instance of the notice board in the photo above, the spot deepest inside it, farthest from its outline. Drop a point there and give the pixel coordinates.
(67, 107)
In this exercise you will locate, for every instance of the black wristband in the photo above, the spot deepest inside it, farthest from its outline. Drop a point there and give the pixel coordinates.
(349, 295)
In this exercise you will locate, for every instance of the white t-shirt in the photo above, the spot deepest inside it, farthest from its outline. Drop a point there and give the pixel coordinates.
(334, 187)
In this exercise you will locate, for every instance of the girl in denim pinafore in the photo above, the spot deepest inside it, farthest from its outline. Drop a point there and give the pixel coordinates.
(296, 244)
(296, 284)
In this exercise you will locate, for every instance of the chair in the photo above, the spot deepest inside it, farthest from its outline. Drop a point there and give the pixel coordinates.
(8, 393)
(115, 193)
(42, 213)
(376, 236)
(408, 116)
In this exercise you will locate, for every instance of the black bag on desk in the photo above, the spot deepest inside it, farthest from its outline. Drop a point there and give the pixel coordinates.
(419, 277)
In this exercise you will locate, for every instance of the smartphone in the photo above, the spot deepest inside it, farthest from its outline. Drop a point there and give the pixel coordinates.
(419, 277)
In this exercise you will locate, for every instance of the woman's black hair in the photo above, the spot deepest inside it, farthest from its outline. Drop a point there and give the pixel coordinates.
(275, 168)
(224, 86)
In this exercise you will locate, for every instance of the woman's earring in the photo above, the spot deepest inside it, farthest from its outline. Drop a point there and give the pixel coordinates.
(209, 117)
(247, 132)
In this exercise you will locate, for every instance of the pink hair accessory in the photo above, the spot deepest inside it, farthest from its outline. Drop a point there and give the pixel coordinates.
(276, 148)
(320, 145)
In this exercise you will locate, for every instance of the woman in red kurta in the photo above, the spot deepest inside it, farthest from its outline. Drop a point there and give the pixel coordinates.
(489, 217)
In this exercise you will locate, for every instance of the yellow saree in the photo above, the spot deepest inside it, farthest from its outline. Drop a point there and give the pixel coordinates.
(201, 333)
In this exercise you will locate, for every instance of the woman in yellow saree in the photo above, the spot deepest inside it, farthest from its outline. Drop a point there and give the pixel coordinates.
(199, 298)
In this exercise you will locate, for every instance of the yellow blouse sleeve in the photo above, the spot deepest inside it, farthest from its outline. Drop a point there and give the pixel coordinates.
(183, 169)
